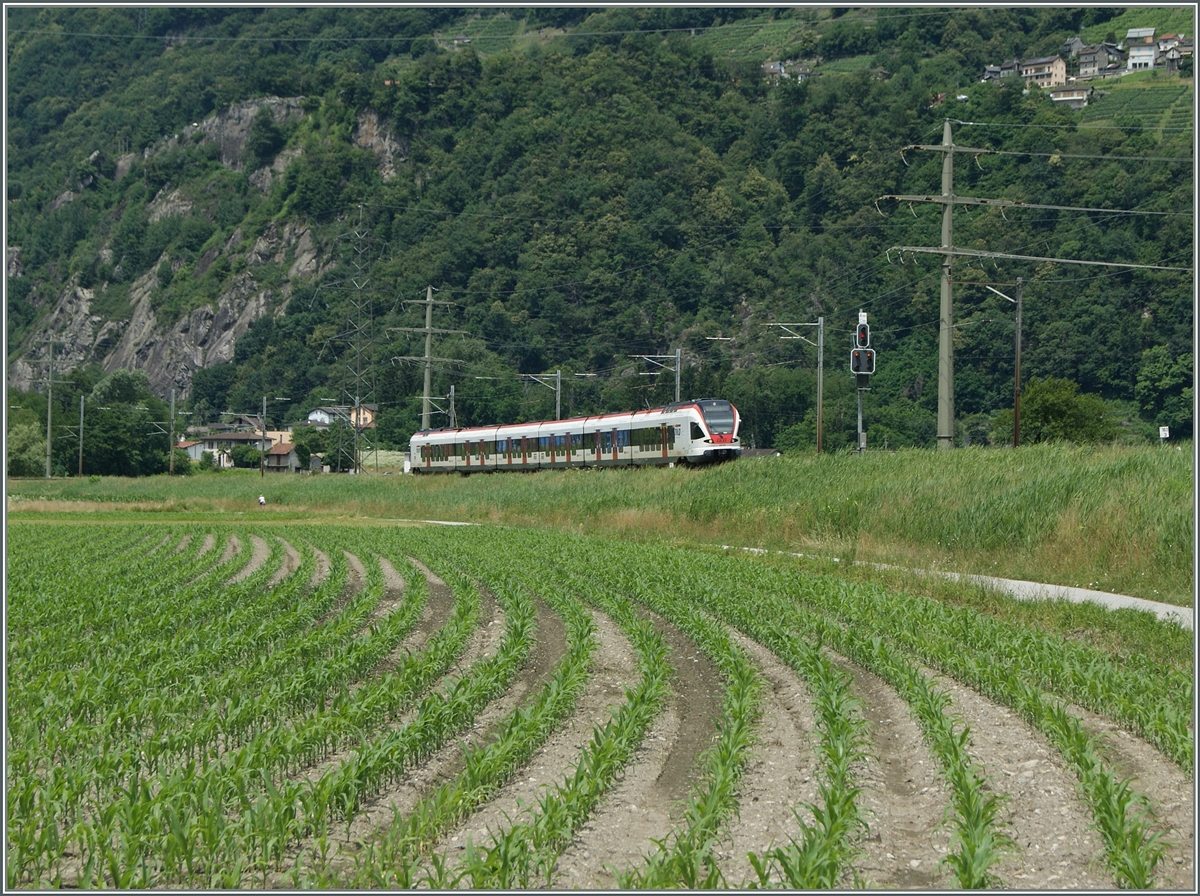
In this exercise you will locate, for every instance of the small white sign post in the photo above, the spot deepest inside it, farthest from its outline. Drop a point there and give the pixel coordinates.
(1164, 433)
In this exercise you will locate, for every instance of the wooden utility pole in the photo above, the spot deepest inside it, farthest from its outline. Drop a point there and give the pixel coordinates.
(1017, 362)
(1017, 374)
(820, 343)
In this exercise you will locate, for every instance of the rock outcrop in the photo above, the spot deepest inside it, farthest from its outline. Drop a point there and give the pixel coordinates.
(169, 353)
(371, 135)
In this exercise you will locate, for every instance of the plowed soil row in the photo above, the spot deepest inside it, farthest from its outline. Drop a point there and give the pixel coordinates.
(905, 801)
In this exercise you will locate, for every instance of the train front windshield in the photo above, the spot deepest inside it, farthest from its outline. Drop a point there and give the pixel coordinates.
(718, 415)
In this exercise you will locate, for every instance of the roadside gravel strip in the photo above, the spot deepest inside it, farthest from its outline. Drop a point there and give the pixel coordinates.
(1023, 590)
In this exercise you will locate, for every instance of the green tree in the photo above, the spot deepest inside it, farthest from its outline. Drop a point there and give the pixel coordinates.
(1053, 408)
(265, 139)
(26, 450)
(245, 457)
(1164, 391)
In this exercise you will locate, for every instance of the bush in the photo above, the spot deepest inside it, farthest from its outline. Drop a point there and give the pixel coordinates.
(1054, 409)
(246, 457)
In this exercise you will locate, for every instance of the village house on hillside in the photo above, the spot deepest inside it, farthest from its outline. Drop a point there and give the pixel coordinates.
(1045, 71)
(323, 417)
(1140, 51)
(1098, 59)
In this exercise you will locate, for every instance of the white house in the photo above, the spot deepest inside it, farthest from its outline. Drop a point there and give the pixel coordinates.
(324, 417)
(1142, 49)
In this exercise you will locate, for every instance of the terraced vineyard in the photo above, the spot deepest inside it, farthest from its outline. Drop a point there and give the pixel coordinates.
(368, 706)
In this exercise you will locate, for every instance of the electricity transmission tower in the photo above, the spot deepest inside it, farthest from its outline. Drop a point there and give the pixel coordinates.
(358, 405)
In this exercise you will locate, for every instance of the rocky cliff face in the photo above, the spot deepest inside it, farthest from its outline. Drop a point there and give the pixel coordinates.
(171, 352)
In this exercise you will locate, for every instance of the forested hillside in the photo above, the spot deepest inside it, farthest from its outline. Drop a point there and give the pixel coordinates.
(229, 198)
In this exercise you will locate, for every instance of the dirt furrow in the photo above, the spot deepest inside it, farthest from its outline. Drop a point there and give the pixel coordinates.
(403, 796)
(232, 545)
(903, 800)
(1056, 847)
(291, 563)
(614, 668)
(439, 606)
(646, 799)
(1171, 794)
(780, 776)
(378, 812)
(258, 556)
(322, 570)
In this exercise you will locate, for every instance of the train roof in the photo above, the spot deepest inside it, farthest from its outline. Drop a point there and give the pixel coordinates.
(497, 427)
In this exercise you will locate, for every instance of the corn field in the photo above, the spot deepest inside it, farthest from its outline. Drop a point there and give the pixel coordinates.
(337, 706)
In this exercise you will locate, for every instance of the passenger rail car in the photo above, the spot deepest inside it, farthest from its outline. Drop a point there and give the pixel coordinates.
(692, 432)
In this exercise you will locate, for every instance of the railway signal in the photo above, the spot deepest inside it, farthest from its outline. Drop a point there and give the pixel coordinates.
(862, 336)
(862, 361)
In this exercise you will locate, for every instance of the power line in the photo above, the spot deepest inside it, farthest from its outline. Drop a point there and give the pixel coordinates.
(1067, 155)
(1070, 127)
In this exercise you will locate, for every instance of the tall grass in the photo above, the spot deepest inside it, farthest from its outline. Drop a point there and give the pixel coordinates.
(1108, 518)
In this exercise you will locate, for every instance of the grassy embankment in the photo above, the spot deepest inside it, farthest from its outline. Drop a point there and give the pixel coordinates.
(1113, 519)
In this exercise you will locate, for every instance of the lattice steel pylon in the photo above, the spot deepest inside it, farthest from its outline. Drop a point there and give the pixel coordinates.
(357, 407)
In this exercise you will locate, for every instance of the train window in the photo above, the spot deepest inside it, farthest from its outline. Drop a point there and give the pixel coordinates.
(623, 438)
(697, 432)
(577, 441)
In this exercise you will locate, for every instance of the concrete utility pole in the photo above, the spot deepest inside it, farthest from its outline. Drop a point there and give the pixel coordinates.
(1017, 373)
(262, 455)
(81, 433)
(945, 433)
(427, 358)
(945, 417)
(49, 406)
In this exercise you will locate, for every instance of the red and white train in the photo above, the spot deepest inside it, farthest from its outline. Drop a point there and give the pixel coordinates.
(691, 432)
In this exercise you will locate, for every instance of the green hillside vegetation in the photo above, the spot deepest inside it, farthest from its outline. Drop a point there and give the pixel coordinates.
(584, 185)
(1173, 20)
